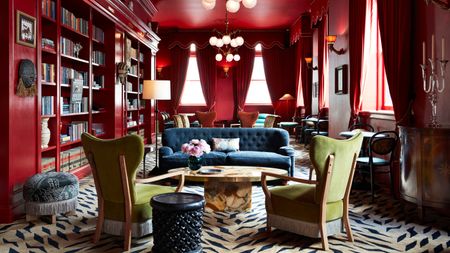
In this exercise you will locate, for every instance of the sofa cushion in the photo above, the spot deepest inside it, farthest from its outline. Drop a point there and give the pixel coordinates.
(259, 158)
(179, 159)
(225, 145)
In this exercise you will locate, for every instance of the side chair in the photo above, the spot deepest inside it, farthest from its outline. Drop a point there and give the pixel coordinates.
(123, 201)
(316, 208)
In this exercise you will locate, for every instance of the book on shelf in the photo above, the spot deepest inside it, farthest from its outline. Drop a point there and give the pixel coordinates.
(131, 123)
(47, 107)
(64, 138)
(98, 34)
(74, 130)
(141, 119)
(67, 74)
(49, 9)
(70, 48)
(141, 57)
(133, 53)
(48, 44)
(76, 90)
(98, 57)
(129, 86)
(48, 72)
(78, 24)
(133, 70)
(67, 107)
(48, 164)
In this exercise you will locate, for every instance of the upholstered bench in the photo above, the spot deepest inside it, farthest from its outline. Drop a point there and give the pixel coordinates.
(177, 222)
(49, 194)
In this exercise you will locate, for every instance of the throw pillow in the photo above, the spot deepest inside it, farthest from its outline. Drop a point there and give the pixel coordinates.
(248, 119)
(185, 120)
(178, 122)
(225, 145)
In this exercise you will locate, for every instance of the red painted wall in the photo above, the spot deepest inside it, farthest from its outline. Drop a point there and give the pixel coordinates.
(19, 153)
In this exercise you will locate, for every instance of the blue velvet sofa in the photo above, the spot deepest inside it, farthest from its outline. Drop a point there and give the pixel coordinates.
(257, 147)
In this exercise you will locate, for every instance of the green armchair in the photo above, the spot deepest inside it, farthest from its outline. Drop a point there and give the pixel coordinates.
(316, 208)
(123, 201)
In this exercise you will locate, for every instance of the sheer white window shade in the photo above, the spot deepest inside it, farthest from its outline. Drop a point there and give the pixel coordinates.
(192, 91)
(258, 93)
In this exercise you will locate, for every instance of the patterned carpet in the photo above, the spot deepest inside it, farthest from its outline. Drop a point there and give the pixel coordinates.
(384, 226)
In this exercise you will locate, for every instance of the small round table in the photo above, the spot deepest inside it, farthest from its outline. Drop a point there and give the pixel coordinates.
(229, 188)
(177, 222)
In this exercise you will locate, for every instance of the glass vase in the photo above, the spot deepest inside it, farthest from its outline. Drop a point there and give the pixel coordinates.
(194, 162)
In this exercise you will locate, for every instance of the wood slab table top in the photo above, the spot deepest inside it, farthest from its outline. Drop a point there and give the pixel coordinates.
(229, 173)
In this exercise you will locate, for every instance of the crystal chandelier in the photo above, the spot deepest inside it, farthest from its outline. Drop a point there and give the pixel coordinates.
(232, 5)
(227, 43)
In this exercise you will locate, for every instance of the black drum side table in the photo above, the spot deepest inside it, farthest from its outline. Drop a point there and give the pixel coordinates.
(177, 222)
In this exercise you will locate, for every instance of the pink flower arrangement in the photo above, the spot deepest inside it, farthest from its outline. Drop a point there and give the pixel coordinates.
(196, 147)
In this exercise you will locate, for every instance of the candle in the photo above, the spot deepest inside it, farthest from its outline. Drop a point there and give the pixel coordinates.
(443, 49)
(423, 53)
(432, 47)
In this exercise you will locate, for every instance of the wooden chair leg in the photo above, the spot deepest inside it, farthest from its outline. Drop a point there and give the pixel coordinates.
(127, 237)
(324, 236)
(53, 218)
(348, 229)
(100, 220)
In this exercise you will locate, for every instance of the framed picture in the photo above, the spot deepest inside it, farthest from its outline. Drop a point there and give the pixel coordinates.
(25, 29)
(341, 79)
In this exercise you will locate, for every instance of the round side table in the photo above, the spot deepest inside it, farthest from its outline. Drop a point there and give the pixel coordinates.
(177, 222)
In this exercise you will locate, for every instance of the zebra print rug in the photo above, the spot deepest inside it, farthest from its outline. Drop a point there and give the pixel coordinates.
(385, 226)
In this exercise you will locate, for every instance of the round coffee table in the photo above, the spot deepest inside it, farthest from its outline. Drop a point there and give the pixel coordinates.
(228, 188)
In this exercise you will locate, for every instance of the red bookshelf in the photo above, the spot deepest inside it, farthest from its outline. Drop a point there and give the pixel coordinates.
(59, 63)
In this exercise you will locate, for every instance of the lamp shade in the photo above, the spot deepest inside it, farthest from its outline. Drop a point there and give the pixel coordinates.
(287, 96)
(156, 89)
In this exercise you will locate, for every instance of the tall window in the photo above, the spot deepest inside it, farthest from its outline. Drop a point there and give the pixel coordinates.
(258, 93)
(374, 90)
(192, 91)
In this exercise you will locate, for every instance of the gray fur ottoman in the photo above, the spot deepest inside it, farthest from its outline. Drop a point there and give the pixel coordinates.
(49, 194)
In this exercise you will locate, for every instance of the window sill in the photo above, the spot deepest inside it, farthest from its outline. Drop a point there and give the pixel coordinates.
(258, 105)
(193, 105)
(382, 114)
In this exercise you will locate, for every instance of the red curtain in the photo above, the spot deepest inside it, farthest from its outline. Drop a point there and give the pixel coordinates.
(357, 22)
(323, 51)
(206, 63)
(279, 68)
(243, 76)
(396, 20)
(303, 73)
(180, 59)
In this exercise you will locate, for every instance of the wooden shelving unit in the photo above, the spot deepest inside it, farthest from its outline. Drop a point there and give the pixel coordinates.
(66, 120)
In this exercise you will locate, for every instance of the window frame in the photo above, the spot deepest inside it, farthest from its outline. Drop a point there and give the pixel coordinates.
(258, 54)
(192, 55)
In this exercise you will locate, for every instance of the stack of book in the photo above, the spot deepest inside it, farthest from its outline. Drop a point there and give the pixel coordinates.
(72, 159)
(68, 47)
(67, 74)
(133, 70)
(98, 57)
(76, 128)
(48, 164)
(48, 44)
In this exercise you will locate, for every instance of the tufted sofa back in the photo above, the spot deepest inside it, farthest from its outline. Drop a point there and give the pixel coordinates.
(250, 139)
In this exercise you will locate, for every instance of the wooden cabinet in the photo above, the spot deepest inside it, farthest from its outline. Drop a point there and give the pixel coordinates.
(425, 167)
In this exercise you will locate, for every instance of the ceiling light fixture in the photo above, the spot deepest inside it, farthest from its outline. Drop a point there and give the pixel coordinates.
(232, 5)
(227, 43)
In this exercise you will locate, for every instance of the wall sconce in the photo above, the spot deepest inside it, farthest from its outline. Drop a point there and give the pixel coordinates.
(225, 70)
(159, 70)
(308, 61)
(331, 39)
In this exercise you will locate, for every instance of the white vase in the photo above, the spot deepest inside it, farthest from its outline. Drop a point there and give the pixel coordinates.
(45, 133)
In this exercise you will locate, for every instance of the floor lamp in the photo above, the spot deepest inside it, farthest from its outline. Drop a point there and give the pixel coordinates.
(157, 90)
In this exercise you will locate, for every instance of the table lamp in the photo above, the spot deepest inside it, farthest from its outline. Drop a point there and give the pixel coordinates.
(287, 97)
(157, 90)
